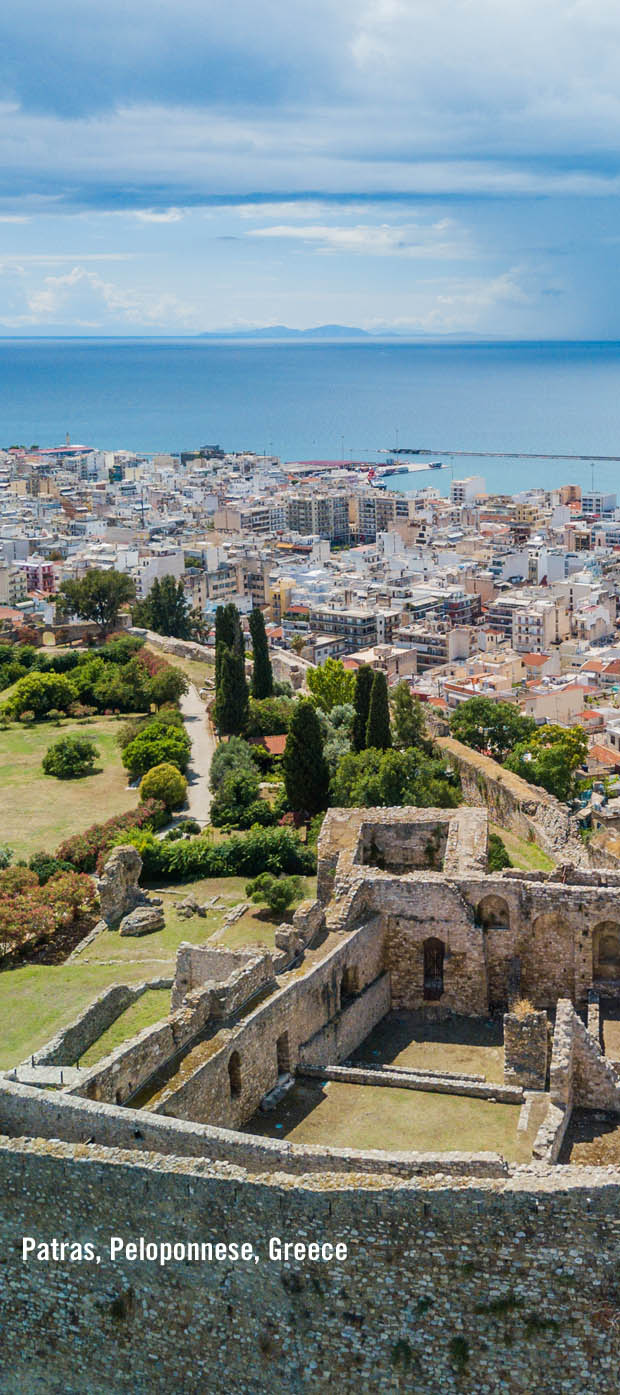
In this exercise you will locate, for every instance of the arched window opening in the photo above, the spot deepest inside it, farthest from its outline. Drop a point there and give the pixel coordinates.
(234, 1075)
(434, 952)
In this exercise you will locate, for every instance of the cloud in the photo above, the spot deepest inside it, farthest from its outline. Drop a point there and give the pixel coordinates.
(85, 297)
(439, 240)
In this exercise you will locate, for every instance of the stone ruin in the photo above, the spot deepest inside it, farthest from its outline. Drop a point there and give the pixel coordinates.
(124, 905)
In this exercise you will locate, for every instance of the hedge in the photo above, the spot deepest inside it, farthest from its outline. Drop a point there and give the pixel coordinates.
(86, 851)
(241, 855)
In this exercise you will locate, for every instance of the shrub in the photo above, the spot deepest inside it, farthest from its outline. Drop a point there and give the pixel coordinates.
(15, 880)
(164, 782)
(278, 893)
(228, 756)
(69, 892)
(269, 716)
(156, 744)
(70, 758)
(498, 856)
(22, 918)
(40, 692)
(242, 855)
(45, 865)
(6, 855)
(87, 851)
(27, 717)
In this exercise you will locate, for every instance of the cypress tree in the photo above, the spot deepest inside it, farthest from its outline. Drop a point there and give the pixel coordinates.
(363, 685)
(378, 732)
(262, 676)
(306, 773)
(228, 634)
(231, 703)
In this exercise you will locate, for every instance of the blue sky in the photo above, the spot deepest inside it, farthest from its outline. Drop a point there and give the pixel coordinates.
(430, 166)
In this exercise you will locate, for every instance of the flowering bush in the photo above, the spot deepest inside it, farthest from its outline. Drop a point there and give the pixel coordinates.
(67, 893)
(87, 851)
(29, 911)
(23, 917)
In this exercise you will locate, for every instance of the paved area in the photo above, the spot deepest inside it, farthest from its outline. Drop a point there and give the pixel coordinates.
(203, 745)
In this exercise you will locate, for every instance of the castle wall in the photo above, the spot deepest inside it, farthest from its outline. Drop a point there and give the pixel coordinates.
(344, 1033)
(501, 1285)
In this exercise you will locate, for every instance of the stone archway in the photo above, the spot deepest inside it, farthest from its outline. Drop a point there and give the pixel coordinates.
(492, 913)
(548, 959)
(606, 950)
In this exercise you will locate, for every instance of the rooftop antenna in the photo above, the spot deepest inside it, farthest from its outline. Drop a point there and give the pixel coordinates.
(67, 439)
(592, 469)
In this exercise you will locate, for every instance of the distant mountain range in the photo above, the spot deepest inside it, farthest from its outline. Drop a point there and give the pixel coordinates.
(283, 332)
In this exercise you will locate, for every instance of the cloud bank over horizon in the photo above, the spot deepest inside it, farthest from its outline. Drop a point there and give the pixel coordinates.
(450, 166)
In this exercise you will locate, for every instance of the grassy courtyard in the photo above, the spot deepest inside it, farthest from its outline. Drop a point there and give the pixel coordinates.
(368, 1116)
(38, 811)
(522, 853)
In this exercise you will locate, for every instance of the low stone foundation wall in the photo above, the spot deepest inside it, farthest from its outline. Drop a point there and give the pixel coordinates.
(29, 1112)
(74, 1041)
(526, 1040)
(408, 1080)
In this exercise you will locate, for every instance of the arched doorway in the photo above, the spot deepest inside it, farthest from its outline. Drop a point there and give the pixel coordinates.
(492, 913)
(606, 950)
(434, 952)
(234, 1075)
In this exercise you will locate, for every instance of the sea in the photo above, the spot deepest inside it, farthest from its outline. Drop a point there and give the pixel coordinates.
(316, 401)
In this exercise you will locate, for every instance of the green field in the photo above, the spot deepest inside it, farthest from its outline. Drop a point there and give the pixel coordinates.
(37, 810)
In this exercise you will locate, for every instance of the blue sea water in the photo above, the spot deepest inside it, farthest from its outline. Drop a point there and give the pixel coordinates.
(326, 401)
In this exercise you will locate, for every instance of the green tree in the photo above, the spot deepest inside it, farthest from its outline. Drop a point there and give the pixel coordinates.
(331, 684)
(98, 596)
(496, 727)
(386, 779)
(408, 717)
(232, 699)
(378, 732)
(156, 744)
(166, 609)
(305, 770)
(237, 802)
(361, 699)
(70, 757)
(278, 893)
(550, 758)
(167, 685)
(233, 755)
(164, 782)
(498, 856)
(262, 675)
(41, 693)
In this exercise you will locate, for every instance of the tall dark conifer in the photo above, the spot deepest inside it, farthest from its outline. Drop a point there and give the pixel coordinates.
(378, 732)
(262, 675)
(231, 703)
(363, 686)
(306, 773)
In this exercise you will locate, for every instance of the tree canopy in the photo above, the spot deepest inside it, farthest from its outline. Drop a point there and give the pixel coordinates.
(378, 732)
(376, 778)
(97, 596)
(407, 717)
(361, 699)
(232, 698)
(331, 684)
(494, 727)
(550, 758)
(166, 609)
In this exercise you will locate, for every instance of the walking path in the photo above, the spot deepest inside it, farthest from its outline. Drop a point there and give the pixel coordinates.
(203, 745)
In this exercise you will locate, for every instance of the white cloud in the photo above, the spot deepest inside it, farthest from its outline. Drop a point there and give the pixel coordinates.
(84, 296)
(439, 240)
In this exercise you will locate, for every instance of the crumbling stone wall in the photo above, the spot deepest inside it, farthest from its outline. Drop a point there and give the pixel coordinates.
(74, 1040)
(526, 1046)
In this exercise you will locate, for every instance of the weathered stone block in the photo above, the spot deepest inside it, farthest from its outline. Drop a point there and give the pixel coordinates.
(144, 920)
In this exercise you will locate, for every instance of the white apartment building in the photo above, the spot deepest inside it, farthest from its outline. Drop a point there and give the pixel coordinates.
(464, 491)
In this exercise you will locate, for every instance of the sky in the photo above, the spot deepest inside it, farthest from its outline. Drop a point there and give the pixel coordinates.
(425, 167)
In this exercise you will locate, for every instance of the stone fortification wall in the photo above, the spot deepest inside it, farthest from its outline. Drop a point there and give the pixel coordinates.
(29, 1112)
(507, 1284)
(308, 999)
(183, 648)
(523, 809)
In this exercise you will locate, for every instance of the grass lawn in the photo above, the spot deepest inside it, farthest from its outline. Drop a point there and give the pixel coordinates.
(371, 1116)
(150, 1008)
(195, 669)
(37, 1000)
(37, 810)
(253, 926)
(523, 854)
